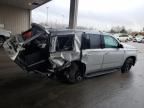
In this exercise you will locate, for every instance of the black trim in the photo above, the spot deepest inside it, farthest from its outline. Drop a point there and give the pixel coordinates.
(89, 35)
(103, 70)
(81, 47)
(102, 41)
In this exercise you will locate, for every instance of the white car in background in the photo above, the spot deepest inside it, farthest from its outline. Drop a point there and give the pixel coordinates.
(4, 34)
(123, 37)
(130, 38)
(139, 38)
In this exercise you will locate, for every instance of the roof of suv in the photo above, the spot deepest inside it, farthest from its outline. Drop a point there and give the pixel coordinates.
(67, 31)
(71, 31)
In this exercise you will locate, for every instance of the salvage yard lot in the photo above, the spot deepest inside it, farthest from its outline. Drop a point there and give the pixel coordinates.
(114, 90)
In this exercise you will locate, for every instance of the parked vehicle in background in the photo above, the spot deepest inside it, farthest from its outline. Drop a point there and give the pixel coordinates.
(139, 38)
(69, 55)
(134, 39)
(130, 38)
(4, 34)
(123, 37)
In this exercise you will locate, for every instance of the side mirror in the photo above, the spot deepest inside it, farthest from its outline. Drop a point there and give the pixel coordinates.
(120, 46)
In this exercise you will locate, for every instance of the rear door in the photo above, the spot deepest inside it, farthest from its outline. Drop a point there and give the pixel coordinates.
(113, 56)
(92, 53)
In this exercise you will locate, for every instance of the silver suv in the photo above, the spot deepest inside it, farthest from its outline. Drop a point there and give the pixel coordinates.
(69, 55)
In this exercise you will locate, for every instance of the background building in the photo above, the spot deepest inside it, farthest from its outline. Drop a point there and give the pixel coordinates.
(15, 15)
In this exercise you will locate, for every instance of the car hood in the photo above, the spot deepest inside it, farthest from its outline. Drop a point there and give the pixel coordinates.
(128, 46)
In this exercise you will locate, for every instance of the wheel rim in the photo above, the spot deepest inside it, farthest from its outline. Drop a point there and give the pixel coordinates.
(78, 76)
(128, 65)
(73, 76)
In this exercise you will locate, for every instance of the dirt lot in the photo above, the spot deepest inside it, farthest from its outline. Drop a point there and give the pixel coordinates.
(115, 90)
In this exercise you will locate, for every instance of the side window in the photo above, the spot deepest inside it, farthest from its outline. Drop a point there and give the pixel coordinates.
(110, 42)
(65, 43)
(91, 41)
(95, 41)
(85, 42)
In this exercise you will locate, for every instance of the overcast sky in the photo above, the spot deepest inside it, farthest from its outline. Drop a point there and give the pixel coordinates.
(101, 14)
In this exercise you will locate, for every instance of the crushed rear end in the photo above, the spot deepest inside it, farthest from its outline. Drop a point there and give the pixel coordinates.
(30, 50)
(45, 51)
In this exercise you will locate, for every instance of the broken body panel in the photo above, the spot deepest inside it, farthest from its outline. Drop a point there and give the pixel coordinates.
(44, 50)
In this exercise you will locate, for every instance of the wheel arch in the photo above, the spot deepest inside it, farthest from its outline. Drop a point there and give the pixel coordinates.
(133, 57)
(81, 65)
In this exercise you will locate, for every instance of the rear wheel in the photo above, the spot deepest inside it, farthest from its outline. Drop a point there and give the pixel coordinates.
(127, 65)
(1, 41)
(74, 75)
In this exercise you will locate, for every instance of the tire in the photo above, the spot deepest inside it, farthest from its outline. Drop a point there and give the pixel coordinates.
(74, 75)
(1, 41)
(127, 65)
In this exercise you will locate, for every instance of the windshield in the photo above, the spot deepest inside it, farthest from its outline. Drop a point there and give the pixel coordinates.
(64, 42)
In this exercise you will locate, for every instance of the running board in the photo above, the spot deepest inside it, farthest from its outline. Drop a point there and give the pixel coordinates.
(48, 74)
(100, 73)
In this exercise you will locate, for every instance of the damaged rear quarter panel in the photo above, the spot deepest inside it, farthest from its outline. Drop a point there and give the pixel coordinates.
(68, 56)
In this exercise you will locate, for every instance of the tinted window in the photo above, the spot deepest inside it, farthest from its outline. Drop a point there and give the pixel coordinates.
(64, 43)
(91, 41)
(95, 41)
(110, 42)
(85, 42)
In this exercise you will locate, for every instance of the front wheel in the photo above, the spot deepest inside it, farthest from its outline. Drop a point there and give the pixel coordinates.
(127, 65)
(74, 75)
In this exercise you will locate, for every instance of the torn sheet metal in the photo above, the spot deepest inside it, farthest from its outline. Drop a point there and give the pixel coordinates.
(41, 45)
(12, 47)
(59, 58)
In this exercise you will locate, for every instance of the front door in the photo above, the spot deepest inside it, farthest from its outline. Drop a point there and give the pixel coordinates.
(113, 56)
